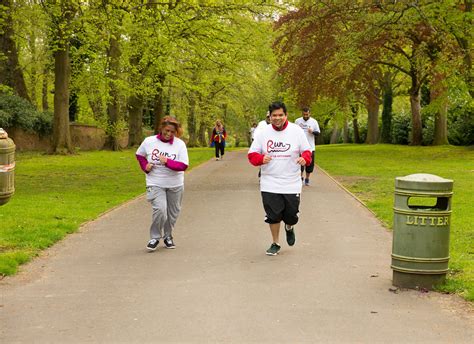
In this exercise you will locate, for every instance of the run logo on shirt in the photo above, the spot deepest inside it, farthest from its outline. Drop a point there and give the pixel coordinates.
(156, 153)
(277, 147)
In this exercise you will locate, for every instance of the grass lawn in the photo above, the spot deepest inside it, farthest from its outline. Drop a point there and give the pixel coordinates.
(369, 172)
(56, 194)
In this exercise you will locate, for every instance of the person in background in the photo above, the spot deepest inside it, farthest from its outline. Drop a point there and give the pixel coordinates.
(262, 124)
(252, 131)
(219, 136)
(280, 149)
(164, 158)
(311, 129)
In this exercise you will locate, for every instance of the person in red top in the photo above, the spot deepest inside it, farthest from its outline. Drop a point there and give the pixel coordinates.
(218, 139)
(280, 149)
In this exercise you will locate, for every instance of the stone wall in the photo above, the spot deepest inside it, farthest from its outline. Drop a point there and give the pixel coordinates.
(84, 137)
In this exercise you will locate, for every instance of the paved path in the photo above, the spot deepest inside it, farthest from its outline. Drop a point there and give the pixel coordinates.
(101, 286)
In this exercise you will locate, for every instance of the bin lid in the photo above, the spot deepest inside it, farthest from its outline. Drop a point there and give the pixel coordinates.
(423, 182)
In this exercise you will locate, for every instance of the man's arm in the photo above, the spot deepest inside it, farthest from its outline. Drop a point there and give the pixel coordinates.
(316, 130)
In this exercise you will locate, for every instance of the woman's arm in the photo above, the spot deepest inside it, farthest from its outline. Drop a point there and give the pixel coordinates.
(142, 161)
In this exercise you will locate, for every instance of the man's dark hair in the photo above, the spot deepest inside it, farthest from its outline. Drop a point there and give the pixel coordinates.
(277, 105)
(305, 109)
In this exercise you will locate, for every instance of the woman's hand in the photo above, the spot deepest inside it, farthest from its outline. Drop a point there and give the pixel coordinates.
(148, 167)
(163, 159)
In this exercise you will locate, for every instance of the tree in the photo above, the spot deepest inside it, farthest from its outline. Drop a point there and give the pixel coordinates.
(62, 15)
(10, 72)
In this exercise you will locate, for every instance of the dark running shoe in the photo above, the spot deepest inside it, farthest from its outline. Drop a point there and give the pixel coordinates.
(152, 244)
(306, 182)
(290, 235)
(169, 243)
(273, 250)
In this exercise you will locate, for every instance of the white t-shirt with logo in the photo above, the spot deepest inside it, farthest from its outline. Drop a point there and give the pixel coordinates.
(160, 175)
(282, 174)
(310, 123)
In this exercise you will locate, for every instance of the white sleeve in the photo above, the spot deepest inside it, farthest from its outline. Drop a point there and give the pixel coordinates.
(316, 126)
(141, 150)
(304, 144)
(183, 154)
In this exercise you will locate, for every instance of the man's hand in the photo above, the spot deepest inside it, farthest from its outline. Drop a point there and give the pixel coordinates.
(310, 130)
(301, 161)
(266, 159)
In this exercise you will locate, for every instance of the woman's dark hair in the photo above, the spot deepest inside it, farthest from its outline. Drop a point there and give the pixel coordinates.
(277, 105)
(170, 120)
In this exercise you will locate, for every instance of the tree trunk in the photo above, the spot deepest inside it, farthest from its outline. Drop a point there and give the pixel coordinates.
(202, 134)
(335, 134)
(113, 105)
(135, 120)
(386, 134)
(10, 71)
(466, 45)
(416, 129)
(372, 97)
(438, 94)
(73, 97)
(158, 108)
(96, 107)
(33, 79)
(355, 123)
(61, 134)
(192, 122)
(44, 91)
(224, 114)
(345, 132)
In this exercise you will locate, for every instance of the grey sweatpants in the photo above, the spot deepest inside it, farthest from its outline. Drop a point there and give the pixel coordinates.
(166, 204)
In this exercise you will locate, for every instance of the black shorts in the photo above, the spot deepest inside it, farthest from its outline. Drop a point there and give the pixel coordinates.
(309, 168)
(281, 207)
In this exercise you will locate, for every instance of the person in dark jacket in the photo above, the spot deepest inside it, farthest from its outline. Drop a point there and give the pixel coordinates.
(218, 138)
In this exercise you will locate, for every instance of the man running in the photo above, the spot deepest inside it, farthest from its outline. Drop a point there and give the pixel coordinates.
(311, 129)
(280, 149)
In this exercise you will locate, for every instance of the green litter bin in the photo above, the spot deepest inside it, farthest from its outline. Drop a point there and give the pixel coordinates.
(421, 226)
(7, 167)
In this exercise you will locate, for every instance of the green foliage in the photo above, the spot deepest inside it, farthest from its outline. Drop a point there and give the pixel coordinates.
(461, 126)
(56, 194)
(16, 112)
(43, 123)
(427, 120)
(114, 129)
(340, 50)
(369, 172)
(400, 129)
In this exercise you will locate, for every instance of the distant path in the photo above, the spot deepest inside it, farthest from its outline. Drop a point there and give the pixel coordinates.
(100, 285)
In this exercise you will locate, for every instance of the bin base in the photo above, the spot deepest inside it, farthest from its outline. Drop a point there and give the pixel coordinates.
(415, 281)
